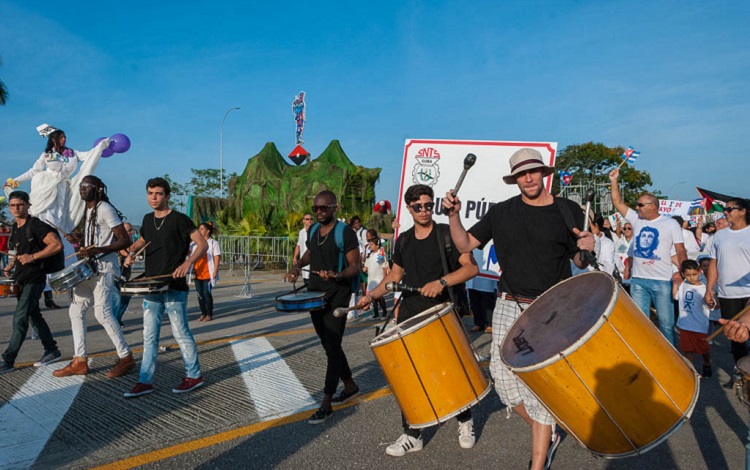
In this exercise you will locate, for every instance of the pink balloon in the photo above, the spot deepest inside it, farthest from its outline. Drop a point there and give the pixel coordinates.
(120, 143)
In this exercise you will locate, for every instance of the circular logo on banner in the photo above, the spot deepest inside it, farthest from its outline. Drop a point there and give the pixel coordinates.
(426, 171)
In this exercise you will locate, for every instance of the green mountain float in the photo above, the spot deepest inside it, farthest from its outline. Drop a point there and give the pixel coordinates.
(270, 197)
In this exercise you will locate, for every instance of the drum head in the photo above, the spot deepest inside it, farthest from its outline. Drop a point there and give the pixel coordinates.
(743, 364)
(558, 319)
(412, 324)
(6, 282)
(301, 296)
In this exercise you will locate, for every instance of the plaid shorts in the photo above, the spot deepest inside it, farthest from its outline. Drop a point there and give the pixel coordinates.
(512, 391)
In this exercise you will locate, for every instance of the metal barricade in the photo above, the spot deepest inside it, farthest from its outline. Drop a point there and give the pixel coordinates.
(250, 253)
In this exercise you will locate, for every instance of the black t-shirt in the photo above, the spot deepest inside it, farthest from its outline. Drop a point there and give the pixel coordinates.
(533, 244)
(170, 243)
(422, 264)
(29, 272)
(324, 256)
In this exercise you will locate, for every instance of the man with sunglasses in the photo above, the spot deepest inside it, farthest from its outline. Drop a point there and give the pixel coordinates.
(322, 256)
(417, 261)
(651, 273)
(301, 247)
(535, 242)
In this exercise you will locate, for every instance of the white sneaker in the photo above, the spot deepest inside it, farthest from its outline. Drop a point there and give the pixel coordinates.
(405, 443)
(466, 434)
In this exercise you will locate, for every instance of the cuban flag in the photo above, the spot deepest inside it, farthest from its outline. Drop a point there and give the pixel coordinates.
(631, 155)
(565, 177)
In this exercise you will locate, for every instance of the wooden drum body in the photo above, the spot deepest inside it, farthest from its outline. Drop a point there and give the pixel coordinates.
(430, 366)
(8, 287)
(601, 367)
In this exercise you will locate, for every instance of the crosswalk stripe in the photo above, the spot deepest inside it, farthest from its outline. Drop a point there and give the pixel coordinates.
(28, 420)
(274, 389)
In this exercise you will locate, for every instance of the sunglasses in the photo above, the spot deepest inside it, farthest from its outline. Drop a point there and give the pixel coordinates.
(428, 206)
(323, 208)
(307, 218)
(729, 209)
(87, 185)
(628, 228)
(641, 204)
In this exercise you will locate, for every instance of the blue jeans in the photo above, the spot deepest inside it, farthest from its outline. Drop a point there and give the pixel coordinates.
(643, 291)
(205, 299)
(175, 304)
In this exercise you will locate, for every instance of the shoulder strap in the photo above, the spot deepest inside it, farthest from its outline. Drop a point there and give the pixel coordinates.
(338, 237)
(566, 213)
(314, 229)
(442, 249)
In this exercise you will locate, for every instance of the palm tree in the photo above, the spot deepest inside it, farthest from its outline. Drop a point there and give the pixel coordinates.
(3, 91)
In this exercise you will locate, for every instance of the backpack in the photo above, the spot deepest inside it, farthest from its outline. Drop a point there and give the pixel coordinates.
(457, 293)
(338, 237)
(51, 264)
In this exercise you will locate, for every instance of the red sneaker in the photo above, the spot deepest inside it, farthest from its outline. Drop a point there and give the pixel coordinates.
(138, 390)
(188, 385)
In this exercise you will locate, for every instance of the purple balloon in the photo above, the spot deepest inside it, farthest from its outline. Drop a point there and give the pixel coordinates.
(107, 152)
(120, 143)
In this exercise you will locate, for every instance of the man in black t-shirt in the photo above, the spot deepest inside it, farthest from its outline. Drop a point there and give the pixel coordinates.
(534, 246)
(32, 243)
(331, 275)
(418, 262)
(168, 234)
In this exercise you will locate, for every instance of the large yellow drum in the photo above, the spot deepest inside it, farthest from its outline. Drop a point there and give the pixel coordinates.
(430, 366)
(601, 367)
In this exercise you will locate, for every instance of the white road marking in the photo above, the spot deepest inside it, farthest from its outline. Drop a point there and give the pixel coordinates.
(28, 420)
(273, 387)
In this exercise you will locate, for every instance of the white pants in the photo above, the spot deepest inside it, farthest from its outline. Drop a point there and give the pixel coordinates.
(98, 290)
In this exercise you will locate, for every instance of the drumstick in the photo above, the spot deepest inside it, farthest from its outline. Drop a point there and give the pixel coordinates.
(143, 248)
(396, 287)
(80, 251)
(341, 311)
(58, 229)
(469, 162)
(717, 332)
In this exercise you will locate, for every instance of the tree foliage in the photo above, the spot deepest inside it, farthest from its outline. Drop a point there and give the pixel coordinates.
(179, 193)
(3, 91)
(205, 182)
(591, 163)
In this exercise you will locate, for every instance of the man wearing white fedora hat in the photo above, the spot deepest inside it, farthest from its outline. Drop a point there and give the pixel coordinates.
(536, 236)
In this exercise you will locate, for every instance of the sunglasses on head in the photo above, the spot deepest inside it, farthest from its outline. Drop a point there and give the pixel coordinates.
(325, 208)
(428, 206)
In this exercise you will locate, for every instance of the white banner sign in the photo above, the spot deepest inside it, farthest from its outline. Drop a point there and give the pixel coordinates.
(672, 208)
(439, 163)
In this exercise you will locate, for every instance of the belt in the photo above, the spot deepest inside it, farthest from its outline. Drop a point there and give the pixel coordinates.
(517, 298)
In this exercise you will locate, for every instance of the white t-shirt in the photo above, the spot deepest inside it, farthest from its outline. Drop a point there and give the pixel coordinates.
(731, 250)
(653, 241)
(691, 245)
(621, 243)
(376, 263)
(106, 220)
(605, 254)
(302, 244)
(362, 237)
(694, 312)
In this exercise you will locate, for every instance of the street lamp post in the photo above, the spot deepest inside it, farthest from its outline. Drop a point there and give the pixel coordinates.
(221, 153)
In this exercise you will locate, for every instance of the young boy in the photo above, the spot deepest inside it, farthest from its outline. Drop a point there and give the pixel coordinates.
(693, 320)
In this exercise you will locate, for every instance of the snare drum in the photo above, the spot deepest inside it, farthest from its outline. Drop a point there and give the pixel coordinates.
(742, 380)
(136, 288)
(8, 287)
(72, 275)
(300, 301)
(599, 365)
(430, 366)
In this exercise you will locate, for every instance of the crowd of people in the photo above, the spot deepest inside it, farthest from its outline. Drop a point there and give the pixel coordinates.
(538, 240)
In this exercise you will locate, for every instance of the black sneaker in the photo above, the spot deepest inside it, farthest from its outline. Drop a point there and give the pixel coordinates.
(345, 396)
(320, 416)
(48, 358)
(707, 372)
(5, 367)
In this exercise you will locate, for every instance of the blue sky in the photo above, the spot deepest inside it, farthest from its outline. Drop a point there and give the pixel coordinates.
(668, 77)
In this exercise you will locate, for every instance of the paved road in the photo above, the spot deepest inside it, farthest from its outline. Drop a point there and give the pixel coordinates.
(264, 373)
